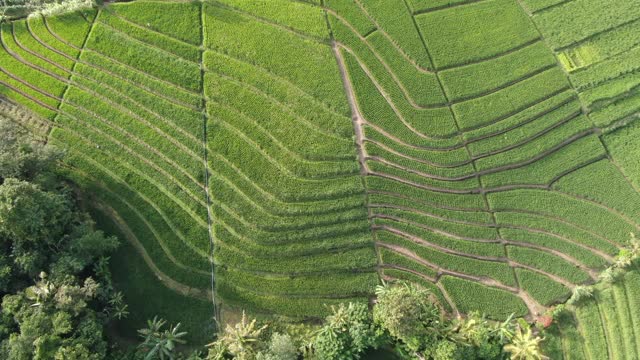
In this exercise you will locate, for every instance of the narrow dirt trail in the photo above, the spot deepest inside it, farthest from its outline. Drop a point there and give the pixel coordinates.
(162, 277)
(356, 117)
(533, 306)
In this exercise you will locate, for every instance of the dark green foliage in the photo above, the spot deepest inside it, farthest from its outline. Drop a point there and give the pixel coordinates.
(347, 333)
(43, 232)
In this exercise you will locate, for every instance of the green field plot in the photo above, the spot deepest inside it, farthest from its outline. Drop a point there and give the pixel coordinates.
(293, 154)
(491, 28)
(604, 327)
(597, 43)
(285, 181)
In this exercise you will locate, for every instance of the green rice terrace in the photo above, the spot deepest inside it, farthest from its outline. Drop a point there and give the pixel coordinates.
(283, 156)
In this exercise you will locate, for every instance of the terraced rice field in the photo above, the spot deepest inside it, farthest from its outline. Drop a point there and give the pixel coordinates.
(606, 327)
(292, 161)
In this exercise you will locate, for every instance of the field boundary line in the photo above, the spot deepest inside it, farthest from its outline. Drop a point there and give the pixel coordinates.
(205, 160)
(73, 67)
(166, 280)
(136, 211)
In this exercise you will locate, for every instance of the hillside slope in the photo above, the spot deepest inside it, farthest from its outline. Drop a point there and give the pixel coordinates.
(485, 149)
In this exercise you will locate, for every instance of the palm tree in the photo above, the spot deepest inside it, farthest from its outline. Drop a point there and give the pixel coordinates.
(41, 291)
(628, 254)
(158, 343)
(505, 330)
(524, 345)
(241, 339)
(580, 293)
(117, 307)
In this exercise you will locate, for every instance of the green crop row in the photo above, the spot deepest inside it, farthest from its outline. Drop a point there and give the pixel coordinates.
(189, 136)
(417, 164)
(187, 119)
(423, 87)
(285, 92)
(626, 63)
(541, 288)
(308, 64)
(467, 184)
(38, 27)
(178, 20)
(169, 44)
(611, 91)
(476, 79)
(575, 21)
(24, 37)
(146, 297)
(272, 178)
(490, 28)
(602, 46)
(508, 101)
(111, 140)
(390, 257)
(296, 15)
(595, 342)
(138, 129)
(441, 225)
(569, 338)
(557, 227)
(407, 276)
(528, 130)
(156, 62)
(148, 227)
(232, 176)
(465, 201)
(238, 126)
(347, 261)
(27, 99)
(246, 230)
(262, 219)
(581, 254)
(626, 156)
(547, 262)
(377, 111)
(141, 79)
(573, 210)
(547, 142)
(494, 303)
(351, 12)
(322, 285)
(530, 114)
(447, 158)
(469, 247)
(613, 324)
(72, 27)
(188, 222)
(436, 121)
(425, 5)
(139, 156)
(496, 270)
(415, 205)
(623, 323)
(30, 68)
(622, 112)
(300, 307)
(303, 137)
(396, 20)
(632, 289)
(537, 5)
(547, 169)
(603, 182)
(355, 240)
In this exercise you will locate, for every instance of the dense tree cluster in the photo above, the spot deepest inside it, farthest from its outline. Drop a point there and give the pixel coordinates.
(406, 319)
(54, 280)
